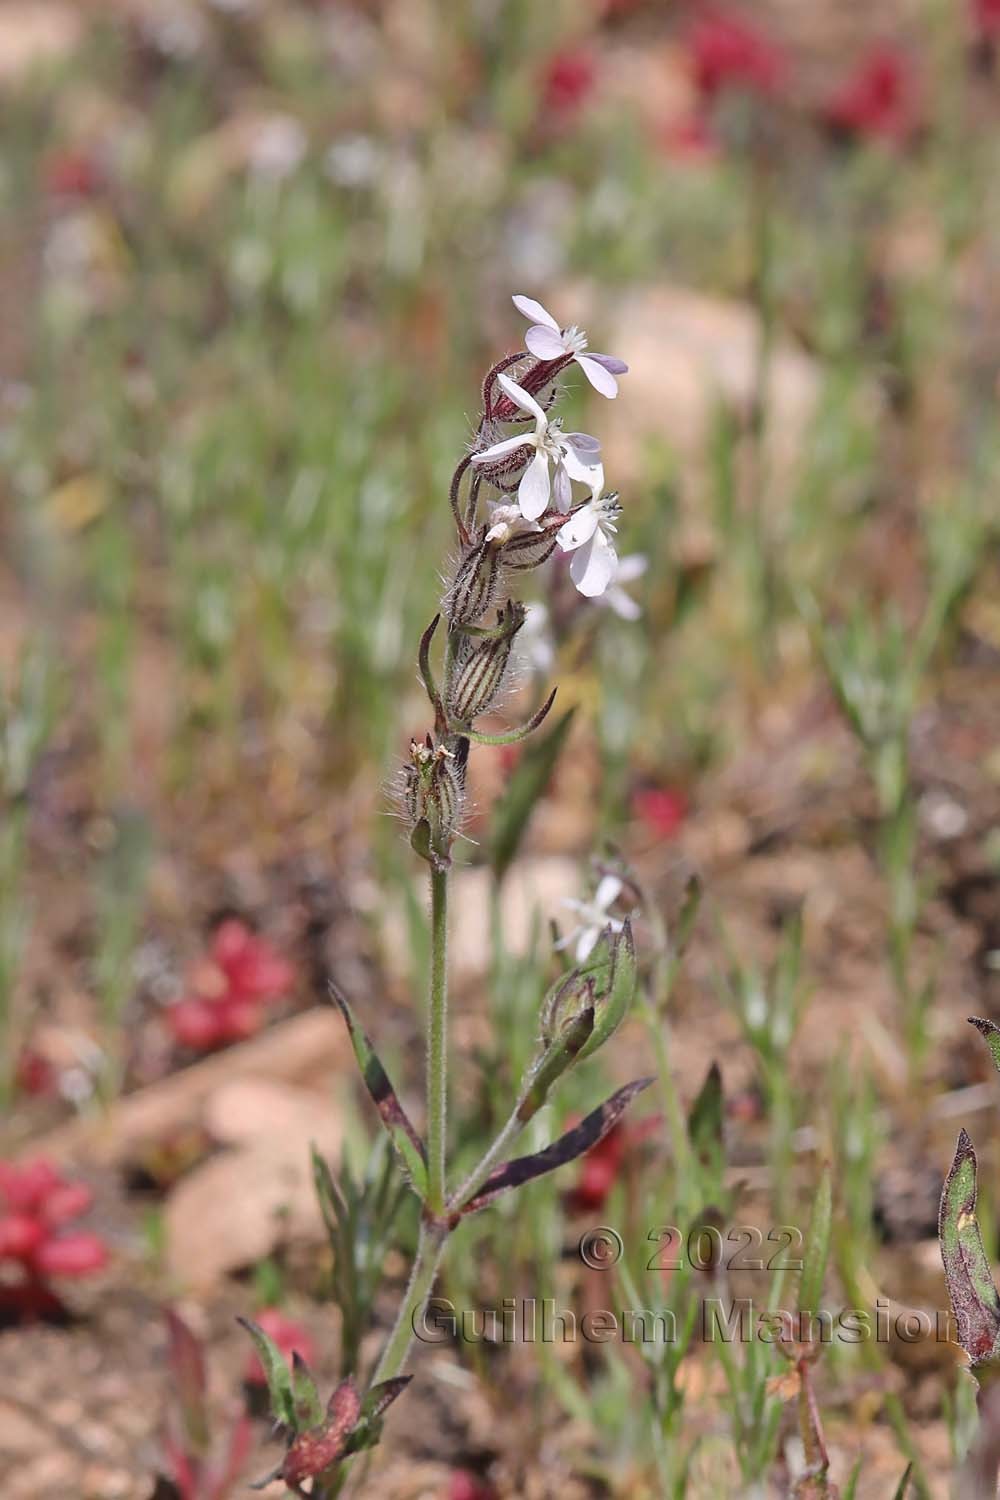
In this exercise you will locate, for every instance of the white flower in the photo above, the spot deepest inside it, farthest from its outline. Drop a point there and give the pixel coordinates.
(593, 917)
(574, 455)
(277, 148)
(587, 534)
(506, 522)
(615, 598)
(546, 340)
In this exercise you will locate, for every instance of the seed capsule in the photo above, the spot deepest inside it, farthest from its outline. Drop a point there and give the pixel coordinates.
(480, 665)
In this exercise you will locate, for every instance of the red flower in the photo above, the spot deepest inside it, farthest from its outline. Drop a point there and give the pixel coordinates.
(35, 1205)
(70, 173)
(602, 1164)
(660, 809)
(465, 1485)
(567, 81)
(880, 100)
(728, 53)
(986, 18)
(244, 973)
(690, 139)
(291, 1338)
(34, 1074)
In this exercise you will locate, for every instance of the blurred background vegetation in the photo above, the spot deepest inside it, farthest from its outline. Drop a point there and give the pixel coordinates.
(255, 260)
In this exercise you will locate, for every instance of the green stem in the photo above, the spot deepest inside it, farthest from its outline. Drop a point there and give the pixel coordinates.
(425, 1265)
(437, 1045)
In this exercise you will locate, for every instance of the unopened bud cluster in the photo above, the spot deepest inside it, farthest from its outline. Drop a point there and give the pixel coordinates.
(534, 510)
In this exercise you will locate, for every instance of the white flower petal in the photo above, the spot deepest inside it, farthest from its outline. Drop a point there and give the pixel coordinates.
(524, 400)
(583, 443)
(526, 439)
(586, 943)
(579, 528)
(601, 379)
(623, 605)
(562, 490)
(593, 566)
(609, 889)
(632, 567)
(544, 344)
(577, 467)
(533, 491)
(529, 308)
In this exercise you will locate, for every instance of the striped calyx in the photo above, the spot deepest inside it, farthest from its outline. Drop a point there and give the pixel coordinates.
(480, 664)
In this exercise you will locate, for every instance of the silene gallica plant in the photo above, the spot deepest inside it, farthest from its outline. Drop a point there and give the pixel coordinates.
(525, 490)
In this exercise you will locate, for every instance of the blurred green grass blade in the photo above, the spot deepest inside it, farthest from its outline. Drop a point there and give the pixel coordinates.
(817, 1246)
(526, 786)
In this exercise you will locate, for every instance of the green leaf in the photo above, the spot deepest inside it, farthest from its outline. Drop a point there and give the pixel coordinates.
(817, 1246)
(966, 1269)
(279, 1380)
(526, 786)
(904, 1483)
(851, 1488)
(409, 1147)
(706, 1118)
(991, 1031)
(308, 1406)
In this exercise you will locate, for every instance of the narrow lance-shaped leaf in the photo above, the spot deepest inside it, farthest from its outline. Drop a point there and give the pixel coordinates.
(566, 1149)
(308, 1406)
(817, 1246)
(369, 1424)
(409, 1146)
(991, 1032)
(967, 1271)
(706, 1118)
(276, 1372)
(904, 1484)
(186, 1364)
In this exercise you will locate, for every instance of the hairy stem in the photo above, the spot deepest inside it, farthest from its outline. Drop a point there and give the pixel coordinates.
(425, 1265)
(437, 1045)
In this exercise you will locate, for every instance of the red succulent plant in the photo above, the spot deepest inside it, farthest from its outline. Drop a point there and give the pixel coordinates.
(242, 976)
(728, 53)
(880, 100)
(568, 79)
(36, 1205)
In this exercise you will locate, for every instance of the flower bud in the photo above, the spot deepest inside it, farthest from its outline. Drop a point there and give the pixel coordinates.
(579, 1013)
(433, 794)
(480, 665)
(605, 983)
(475, 584)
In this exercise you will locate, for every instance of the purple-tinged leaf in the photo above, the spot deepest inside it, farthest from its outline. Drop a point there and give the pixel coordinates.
(567, 1148)
(314, 1451)
(970, 1284)
(230, 1467)
(991, 1032)
(409, 1147)
(186, 1364)
(369, 1425)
